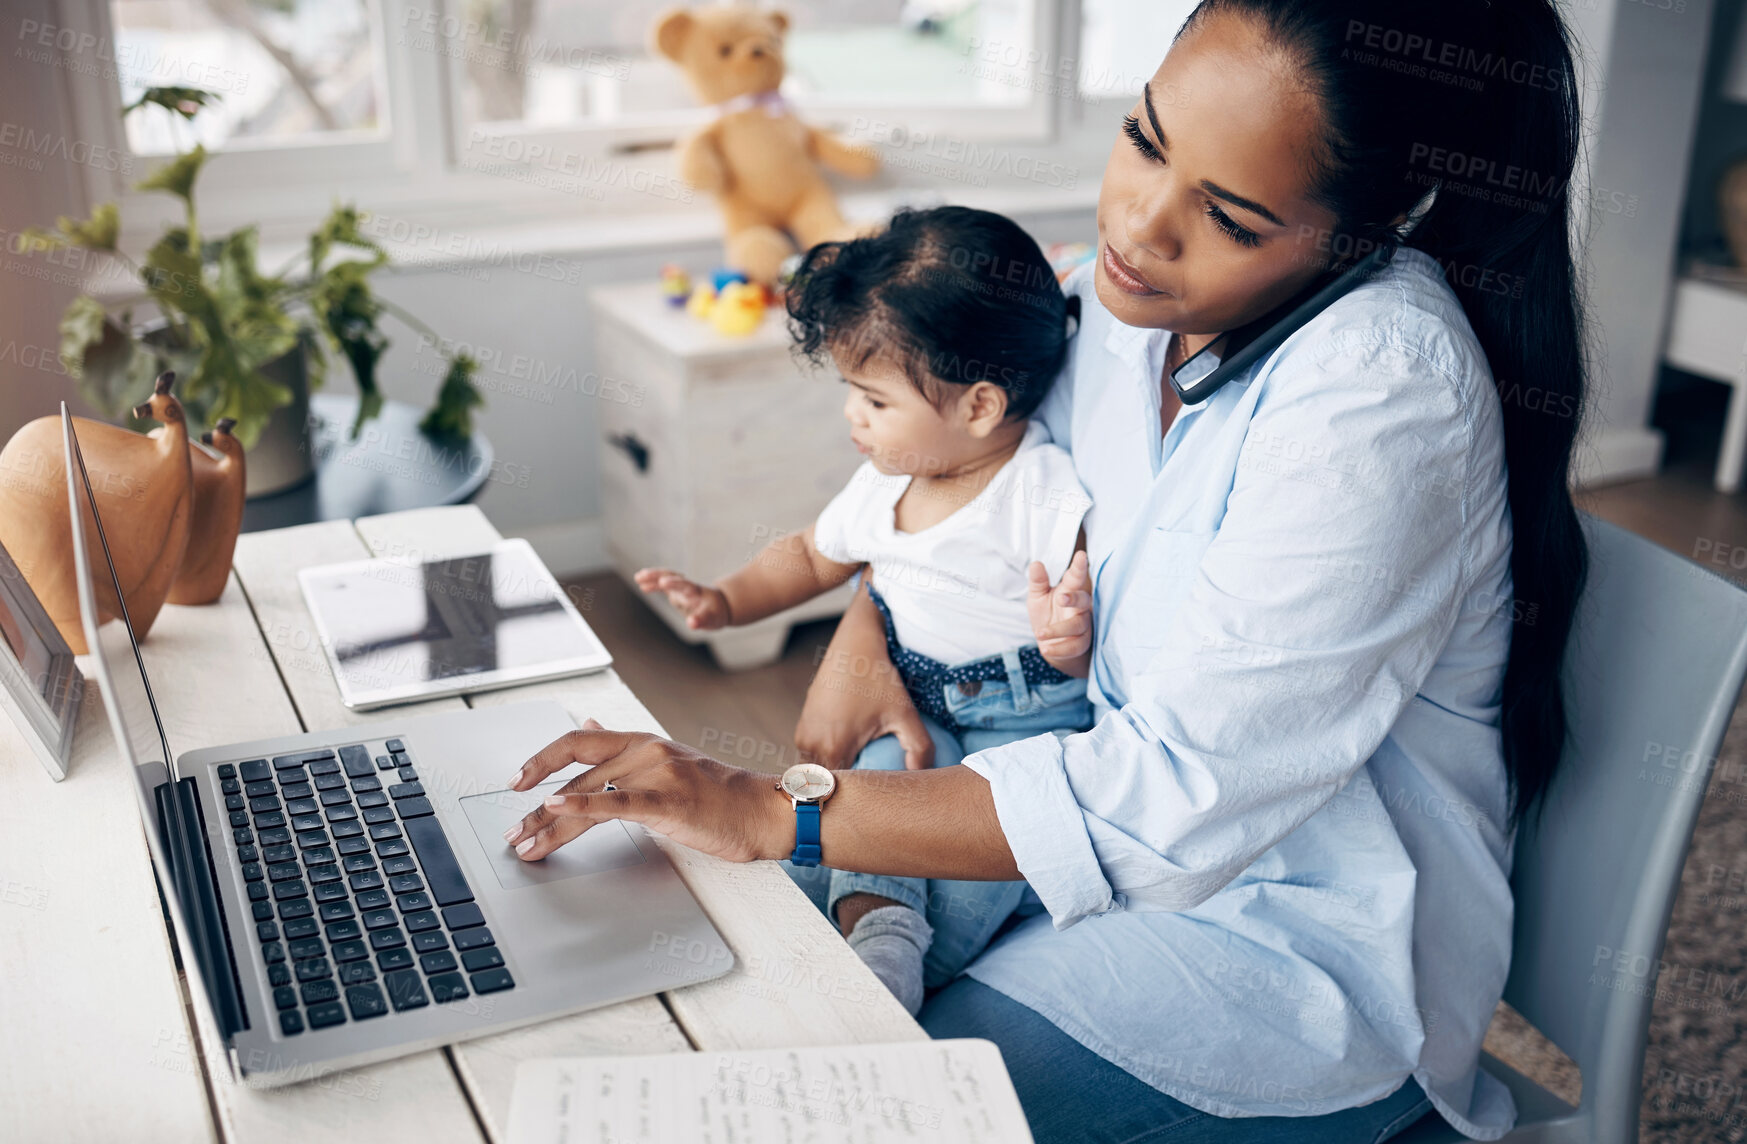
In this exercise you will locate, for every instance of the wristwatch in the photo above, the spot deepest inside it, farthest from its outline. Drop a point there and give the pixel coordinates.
(808, 785)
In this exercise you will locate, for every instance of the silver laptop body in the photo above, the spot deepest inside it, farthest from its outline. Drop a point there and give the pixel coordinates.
(363, 904)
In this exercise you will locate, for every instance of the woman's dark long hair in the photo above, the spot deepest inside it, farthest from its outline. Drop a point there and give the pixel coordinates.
(1477, 98)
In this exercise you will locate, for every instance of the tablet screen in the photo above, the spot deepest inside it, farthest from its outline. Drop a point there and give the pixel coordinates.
(397, 630)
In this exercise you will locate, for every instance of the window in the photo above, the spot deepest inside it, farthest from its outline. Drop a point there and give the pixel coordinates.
(283, 70)
(570, 87)
(562, 62)
(457, 105)
(1122, 42)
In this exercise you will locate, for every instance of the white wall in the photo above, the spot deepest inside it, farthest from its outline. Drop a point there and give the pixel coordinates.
(1650, 64)
(33, 98)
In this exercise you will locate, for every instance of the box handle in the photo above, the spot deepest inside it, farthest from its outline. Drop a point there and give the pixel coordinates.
(634, 449)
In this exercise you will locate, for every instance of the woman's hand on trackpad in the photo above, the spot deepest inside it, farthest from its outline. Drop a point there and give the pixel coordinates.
(693, 799)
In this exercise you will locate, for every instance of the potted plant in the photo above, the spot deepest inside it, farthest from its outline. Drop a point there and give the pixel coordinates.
(251, 345)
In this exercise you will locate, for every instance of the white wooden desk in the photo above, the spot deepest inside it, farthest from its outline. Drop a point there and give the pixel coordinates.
(97, 1041)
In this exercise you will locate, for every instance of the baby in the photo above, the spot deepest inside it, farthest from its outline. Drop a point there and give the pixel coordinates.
(949, 328)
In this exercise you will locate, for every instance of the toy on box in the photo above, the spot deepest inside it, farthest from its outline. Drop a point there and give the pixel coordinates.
(702, 300)
(738, 309)
(676, 285)
(763, 164)
(730, 303)
(725, 277)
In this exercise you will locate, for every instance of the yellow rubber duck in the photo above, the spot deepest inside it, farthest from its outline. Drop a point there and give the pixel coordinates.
(738, 310)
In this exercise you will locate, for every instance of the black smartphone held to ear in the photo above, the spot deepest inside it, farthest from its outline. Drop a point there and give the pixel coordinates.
(1234, 351)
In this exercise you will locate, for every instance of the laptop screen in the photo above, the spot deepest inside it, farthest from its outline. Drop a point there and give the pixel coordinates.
(139, 736)
(103, 613)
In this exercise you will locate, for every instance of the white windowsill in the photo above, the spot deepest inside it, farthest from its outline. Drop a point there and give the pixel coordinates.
(446, 243)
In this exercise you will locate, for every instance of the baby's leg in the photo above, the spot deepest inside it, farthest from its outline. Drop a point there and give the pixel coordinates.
(884, 917)
(966, 916)
(884, 754)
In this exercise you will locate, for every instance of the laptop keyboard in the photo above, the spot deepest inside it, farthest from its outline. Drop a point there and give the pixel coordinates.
(359, 904)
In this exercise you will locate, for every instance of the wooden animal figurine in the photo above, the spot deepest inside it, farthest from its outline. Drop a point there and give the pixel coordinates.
(218, 517)
(143, 487)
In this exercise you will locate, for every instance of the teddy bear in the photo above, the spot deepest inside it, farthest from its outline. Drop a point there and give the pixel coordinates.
(763, 164)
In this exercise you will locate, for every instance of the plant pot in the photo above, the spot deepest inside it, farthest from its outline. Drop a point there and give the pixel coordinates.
(282, 458)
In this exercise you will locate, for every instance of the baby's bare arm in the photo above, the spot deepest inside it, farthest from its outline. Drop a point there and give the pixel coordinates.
(790, 571)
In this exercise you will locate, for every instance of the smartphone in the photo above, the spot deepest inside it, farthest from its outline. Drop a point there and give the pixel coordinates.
(1234, 351)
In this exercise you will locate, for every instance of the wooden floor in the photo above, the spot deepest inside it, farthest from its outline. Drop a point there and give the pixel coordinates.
(1679, 509)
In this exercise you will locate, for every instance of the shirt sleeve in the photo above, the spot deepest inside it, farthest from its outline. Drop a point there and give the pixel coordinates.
(1274, 678)
(835, 530)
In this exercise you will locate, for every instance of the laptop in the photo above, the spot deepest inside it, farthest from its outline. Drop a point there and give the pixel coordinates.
(343, 897)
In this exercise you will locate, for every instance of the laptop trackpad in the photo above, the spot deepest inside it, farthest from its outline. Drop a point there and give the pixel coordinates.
(607, 846)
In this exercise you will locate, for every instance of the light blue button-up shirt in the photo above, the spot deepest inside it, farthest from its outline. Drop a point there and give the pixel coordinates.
(1276, 868)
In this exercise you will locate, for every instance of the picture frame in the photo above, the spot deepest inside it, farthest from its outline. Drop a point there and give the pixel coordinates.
(40, 684)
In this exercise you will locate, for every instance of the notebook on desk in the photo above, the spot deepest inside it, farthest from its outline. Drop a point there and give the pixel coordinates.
(953, 1091)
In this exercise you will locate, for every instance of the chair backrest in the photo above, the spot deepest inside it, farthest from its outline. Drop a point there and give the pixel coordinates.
(1652, 676)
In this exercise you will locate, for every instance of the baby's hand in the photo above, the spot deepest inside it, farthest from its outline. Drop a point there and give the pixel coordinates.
(1061, 617)
(705, 608)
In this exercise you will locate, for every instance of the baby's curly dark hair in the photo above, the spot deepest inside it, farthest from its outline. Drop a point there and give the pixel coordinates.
(951, 296)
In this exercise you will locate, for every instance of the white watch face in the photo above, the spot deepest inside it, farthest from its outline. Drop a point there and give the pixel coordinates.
(808, 782)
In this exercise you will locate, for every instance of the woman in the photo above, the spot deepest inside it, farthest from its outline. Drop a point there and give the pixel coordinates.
(1273, 875)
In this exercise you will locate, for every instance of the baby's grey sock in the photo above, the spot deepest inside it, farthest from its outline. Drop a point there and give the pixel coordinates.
(892, 940)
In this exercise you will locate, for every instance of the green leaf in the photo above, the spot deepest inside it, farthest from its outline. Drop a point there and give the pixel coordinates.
(184, 101)
(341, 228)
(177, 176)
(451, 418)
(315, 361)
(114, 372)
(236, 322)
(173, 276)
(369, 405)
(348, 310)
(238, 274)
(251, 403)
(99, 232)
(34, 238)
(250, 304)
(82, 326)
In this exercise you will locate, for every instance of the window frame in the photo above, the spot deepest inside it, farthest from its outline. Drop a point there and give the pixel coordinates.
(413, 167)
(1032, 122)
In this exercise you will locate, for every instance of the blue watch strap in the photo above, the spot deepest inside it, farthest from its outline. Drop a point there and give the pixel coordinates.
(807, 851)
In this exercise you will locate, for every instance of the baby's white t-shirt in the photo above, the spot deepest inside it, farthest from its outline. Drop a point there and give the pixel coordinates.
(956, 589)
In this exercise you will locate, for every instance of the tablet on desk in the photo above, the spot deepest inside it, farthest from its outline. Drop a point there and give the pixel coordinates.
(396, 631)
